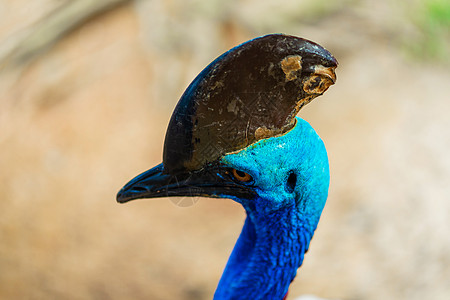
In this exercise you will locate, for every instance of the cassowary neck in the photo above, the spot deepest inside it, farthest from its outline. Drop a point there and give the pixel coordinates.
(266, 257)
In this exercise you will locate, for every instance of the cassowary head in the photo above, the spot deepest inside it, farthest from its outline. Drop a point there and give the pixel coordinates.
(234, 134)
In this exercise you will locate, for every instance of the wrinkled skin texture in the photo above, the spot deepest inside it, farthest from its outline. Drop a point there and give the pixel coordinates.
(280, 220)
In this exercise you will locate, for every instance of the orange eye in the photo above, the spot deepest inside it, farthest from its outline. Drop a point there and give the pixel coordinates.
(241, 176)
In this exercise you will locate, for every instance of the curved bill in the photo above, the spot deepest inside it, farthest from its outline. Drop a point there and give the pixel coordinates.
(208, 182)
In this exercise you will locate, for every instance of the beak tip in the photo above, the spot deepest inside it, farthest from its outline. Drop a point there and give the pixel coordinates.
(120, 198)
(145, 185)
(127, 194)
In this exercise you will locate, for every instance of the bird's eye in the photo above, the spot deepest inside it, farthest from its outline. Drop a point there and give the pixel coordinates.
(241, 176)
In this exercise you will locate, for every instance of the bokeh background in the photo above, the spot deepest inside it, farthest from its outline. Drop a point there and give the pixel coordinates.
(86, 92)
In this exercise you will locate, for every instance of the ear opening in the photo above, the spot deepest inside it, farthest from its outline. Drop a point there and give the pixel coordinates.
(291, 182)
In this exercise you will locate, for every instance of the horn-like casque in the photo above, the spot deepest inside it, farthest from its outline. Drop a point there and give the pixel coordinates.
(251, 92)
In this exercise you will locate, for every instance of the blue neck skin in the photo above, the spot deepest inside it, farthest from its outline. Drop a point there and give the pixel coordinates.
(282, 218)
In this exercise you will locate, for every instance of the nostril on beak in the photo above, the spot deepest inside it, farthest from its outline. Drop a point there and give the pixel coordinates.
(291, 182)
(139, 189)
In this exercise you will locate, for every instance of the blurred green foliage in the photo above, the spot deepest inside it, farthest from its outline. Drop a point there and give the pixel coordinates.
(432, 18)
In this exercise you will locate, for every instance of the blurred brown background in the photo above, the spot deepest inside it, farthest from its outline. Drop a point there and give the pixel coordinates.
(86, 92)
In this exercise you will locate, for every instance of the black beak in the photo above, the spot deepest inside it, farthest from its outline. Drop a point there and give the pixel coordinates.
(209, 182)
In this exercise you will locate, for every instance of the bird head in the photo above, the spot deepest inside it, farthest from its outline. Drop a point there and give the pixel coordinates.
(234, 133)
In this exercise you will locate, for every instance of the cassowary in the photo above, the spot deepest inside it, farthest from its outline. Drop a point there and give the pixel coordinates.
(234, 134)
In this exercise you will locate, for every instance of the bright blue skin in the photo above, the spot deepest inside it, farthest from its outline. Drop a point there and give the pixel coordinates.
(280, 221)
